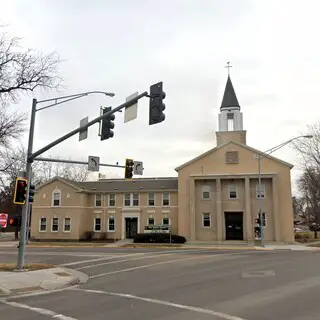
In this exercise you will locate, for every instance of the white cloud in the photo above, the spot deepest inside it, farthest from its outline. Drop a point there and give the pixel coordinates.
(125, 46)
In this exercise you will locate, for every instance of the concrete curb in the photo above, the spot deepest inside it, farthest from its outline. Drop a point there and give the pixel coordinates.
(78, 277)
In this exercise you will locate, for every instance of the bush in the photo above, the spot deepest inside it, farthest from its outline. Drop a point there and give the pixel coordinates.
(303, 236)
(158, 238)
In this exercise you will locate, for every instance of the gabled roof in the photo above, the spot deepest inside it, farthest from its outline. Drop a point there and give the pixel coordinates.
(238, 144)
(229, 97)
(68, 182)
(121, 185)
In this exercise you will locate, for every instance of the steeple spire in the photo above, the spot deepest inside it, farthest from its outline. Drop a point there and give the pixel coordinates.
(229, 98)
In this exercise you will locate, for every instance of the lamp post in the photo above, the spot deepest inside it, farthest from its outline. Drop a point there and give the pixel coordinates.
(24, 233)
(259, 157)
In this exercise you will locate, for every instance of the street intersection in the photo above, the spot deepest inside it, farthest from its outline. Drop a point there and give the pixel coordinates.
(173, 284)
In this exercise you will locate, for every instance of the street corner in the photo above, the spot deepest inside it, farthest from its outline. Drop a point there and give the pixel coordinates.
(22, 283)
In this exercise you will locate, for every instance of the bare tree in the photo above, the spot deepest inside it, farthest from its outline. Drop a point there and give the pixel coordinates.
(309, 149)
(12, 161)
(24, 70)
(47, 170)
(21, 71)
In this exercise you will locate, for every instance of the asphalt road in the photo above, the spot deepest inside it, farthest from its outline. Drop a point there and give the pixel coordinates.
(175, 285)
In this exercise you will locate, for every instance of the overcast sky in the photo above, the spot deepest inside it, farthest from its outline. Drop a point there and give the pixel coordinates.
(124, 46)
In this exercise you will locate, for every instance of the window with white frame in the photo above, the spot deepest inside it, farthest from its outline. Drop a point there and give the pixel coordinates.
(206, 192)
(67, 225)
(264, 219)
(111, 224)
(166, 199)
(98, 200)
(56, 198)
(206, 220)
(127, 200)
(112, 200)
(55, 225)
(131, 199)
(135, 199)
(260, 194)
(165, 221)
(233, 194)
(97, 224)
(151, 201)
(43, 224)
(150, 221)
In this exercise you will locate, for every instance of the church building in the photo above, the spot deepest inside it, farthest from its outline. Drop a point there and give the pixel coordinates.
(215, 197)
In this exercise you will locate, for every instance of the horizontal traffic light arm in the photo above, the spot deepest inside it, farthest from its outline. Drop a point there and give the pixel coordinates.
(76, 162)
(84, 127)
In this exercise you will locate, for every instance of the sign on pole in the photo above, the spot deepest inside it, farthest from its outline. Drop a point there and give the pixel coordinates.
(93, 163)
(3, 220)
(138, 168)
(83, 134)
(131, 112)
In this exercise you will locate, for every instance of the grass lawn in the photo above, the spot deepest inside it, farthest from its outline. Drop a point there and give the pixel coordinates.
(30, 267)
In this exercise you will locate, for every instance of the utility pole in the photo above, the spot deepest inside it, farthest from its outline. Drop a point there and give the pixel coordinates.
(25, 210)
(259, 157)
(32, 155)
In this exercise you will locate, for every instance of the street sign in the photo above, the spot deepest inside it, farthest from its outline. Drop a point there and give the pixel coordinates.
(131, 112)
(138, 168)
(3, 220)
(93, 163)
(83, 134)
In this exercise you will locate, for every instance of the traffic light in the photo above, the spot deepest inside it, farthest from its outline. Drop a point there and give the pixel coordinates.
(107, 125)
(156, 106)
(128, 171)
(14, 221)
(20, 191)
(31, 193)
(258, 221)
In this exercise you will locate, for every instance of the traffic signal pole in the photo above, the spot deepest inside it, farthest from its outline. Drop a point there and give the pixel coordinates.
(25, 208)
(31, 156)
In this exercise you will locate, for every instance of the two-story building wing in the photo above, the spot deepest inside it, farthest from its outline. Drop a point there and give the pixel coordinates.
(111, 209)
(215, 196)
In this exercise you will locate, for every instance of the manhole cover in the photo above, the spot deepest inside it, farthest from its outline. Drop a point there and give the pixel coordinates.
(257, 274)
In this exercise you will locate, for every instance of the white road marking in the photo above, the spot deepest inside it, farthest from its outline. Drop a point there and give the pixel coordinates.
(167, 303)
(125, 260)
(156, 264)
(147, 255)
(44, 312)
(99, 259)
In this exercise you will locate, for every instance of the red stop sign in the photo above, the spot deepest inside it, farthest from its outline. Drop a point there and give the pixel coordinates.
(3, 220)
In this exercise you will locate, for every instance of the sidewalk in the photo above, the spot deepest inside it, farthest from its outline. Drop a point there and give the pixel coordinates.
(16, 283)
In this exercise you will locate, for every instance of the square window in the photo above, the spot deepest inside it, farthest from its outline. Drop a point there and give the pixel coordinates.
(232, 157)
(233, 192)
(166, 199)
(151, 199)
(150, 221)
(112, 200)
(98, 200)
(206, 220)
(67, 225)
(165, 221)
(55, 225)
(111, 224)
(127, 200)
(43, 224)
(206, 192)
(56, 199)
(97, 224)
(135, 201)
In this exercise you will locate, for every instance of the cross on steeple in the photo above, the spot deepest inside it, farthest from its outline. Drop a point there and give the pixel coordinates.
(228, 66)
